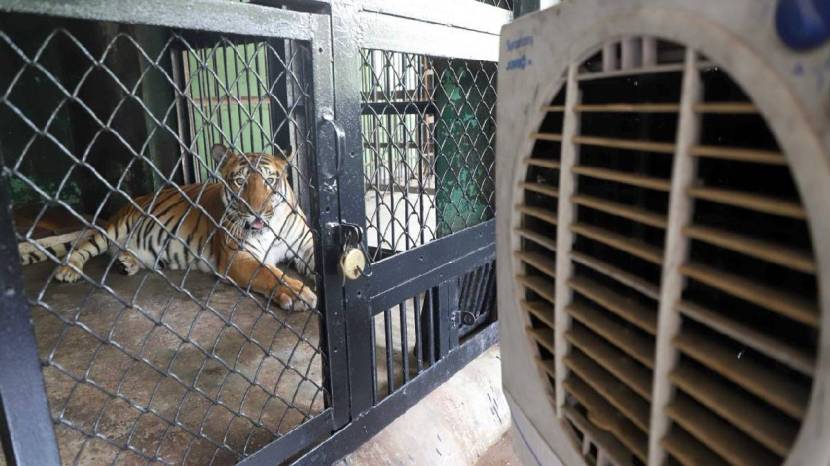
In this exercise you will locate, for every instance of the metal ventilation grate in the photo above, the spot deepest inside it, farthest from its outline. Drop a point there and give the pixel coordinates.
(686, 319)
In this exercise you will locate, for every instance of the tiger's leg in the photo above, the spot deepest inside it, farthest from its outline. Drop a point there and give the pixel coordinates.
(91, 247)
(266, 279)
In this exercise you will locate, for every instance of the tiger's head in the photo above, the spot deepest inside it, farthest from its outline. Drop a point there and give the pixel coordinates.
(255, 184)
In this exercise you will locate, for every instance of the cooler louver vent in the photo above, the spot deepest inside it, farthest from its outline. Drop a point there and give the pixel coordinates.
(538, 235)
(664, 193)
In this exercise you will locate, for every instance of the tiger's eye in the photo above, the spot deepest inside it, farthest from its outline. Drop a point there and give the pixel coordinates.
(239, 181)
(271, 180)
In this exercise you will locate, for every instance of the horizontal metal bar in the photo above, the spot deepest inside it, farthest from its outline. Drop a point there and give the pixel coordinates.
(361, 429)
(288, 445)
(464, 14)
(206, 15)
(398, 34)
(399, 108)
(419, 284)
(430, 264)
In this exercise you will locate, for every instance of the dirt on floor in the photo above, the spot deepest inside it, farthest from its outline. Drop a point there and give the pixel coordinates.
(181, 368)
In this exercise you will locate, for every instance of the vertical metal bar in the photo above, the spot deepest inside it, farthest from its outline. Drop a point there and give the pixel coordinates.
(278, 91)
(429, 311)
(420, 122)
(238, 136)
(419, 342)
(325, 209)
(184, 122)
(346, 79)
(265, 141)
(226, 59)
(374, 363)
(390, 142)
(390, 353)
(404, 343)
(25, 424)
(405, 158)
(206, 128)
(214, 121)
(250, 114)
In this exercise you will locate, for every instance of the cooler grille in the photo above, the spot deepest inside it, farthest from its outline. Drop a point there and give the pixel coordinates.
(685, 276)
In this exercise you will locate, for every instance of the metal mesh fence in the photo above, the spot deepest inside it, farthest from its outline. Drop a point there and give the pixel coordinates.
(428, 129)
(208, 348)
(506, 4)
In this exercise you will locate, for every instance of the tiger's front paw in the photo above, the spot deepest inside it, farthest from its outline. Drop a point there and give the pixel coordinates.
(303, 300)
(129, 263)
(67, 274)
(306, 301)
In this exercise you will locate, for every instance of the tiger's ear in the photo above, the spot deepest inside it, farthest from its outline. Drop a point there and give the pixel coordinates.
(219, 153)
(287, 155)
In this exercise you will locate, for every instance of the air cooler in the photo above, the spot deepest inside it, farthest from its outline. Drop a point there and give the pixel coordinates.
(664, 232)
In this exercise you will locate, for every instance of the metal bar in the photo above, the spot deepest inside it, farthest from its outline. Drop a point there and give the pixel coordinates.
(419, 342)
(402, 108)
(184, 117)
(390, 353)
(437, 256)
(429, 312)
(288, 445)
(327, 248)
(206, 15)
(416, 283)
(374, 341)
(404, 343)
(464, 14)
(350, 183)
(363, 428)
(25, 424)
(407, 35)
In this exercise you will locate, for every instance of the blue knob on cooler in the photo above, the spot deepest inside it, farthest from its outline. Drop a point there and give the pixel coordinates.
(803, 24)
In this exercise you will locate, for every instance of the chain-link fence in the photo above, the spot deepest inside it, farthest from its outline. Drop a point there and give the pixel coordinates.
(428, 129)
(196, 340)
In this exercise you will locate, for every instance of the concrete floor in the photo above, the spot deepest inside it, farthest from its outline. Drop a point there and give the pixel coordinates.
(464, 422)
(500, 453)
(254, 367)
(118, 391)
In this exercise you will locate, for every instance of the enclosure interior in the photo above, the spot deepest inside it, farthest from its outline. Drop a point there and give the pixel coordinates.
(428, 128)
(163, 366)
(749, 308)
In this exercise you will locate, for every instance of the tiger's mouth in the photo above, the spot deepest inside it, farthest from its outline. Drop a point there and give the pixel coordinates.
(255, 225)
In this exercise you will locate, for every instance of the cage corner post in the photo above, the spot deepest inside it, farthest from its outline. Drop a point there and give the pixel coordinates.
(26, 432)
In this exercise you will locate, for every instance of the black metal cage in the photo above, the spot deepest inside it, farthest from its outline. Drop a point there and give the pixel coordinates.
(164, 350)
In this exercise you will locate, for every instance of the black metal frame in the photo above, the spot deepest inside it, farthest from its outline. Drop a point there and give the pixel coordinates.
(336, 32)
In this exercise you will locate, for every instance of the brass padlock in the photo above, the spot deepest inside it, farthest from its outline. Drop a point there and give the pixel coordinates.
(352, 263)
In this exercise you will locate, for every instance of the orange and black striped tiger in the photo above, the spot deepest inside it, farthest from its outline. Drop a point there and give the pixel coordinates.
(262, 227)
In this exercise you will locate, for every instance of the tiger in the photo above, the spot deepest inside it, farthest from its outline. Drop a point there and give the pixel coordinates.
(260, 228)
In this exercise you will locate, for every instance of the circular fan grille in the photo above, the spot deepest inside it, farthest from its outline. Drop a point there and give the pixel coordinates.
(656, 188)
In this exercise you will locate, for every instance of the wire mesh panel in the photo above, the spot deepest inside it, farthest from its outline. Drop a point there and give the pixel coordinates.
(428, 129)
(506, 4)
(196, 340)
